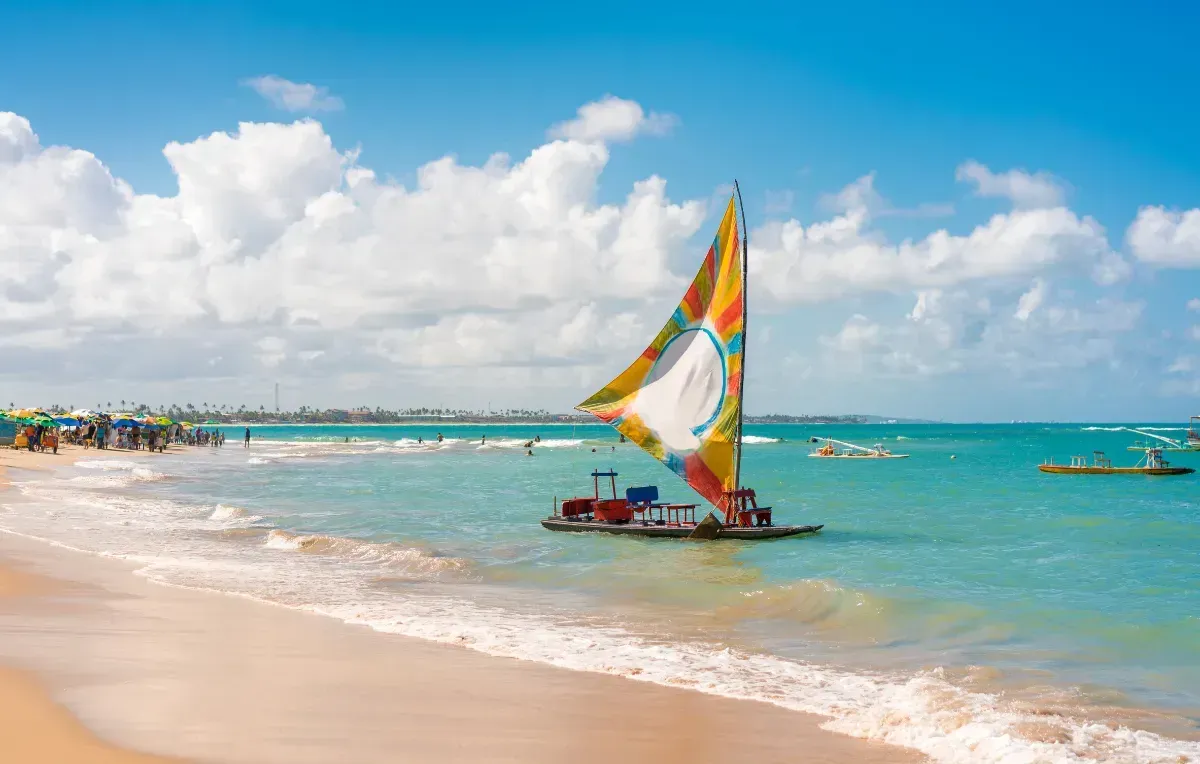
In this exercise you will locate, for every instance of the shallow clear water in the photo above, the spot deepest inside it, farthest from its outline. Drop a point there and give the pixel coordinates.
(972, 607)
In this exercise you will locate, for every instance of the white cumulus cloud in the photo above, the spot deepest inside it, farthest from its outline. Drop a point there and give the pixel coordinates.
(847, 256)
(1031, 300)
(612, 119)
(282, 254)
(1025, 190)
(960, 330)
(294, 96)
(1167, 238)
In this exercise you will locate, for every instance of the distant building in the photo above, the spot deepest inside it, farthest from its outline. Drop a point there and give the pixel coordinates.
(360, 415)
(337, 415)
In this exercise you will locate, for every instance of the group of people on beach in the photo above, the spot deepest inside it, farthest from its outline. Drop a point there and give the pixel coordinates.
(40, 438)
(104, 435)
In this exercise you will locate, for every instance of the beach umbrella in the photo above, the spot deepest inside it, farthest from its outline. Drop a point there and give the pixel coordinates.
(67, 421)
(165, 421)
(126, 422)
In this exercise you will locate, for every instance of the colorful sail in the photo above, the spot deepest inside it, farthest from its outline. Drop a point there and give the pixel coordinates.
(681, 399)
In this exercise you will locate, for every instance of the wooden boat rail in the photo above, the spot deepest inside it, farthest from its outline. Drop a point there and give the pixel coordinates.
(641, 501)
(742, 510)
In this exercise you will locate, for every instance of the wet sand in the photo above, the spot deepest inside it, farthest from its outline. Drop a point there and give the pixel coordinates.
(103, 664)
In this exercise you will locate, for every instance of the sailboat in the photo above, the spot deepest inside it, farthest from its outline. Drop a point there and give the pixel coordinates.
(852, 451)
(681, 401)
(1163, 444)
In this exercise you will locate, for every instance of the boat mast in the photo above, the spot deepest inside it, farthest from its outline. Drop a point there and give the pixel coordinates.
(737, 470)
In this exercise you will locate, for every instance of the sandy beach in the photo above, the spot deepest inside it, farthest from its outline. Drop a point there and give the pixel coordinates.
(105, 666)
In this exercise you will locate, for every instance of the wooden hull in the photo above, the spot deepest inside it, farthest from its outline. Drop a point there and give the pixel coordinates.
(1066, 469)
(675, 531)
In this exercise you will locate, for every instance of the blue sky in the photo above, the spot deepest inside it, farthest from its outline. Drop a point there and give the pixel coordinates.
(792, 99)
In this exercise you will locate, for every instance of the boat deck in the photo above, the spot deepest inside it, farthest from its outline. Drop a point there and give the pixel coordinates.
(653, 530)
(1067, 469)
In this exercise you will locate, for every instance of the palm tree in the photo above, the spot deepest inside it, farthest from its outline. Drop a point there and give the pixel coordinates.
(122, 403)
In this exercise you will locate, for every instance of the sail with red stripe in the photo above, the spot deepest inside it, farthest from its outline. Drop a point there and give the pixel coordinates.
(681, 399)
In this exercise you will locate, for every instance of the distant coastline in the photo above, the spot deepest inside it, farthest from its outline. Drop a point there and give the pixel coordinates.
(379, 417)
(228, 415)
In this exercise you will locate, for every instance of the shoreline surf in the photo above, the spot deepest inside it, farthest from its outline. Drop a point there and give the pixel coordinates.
(509, 717)
(860, 703)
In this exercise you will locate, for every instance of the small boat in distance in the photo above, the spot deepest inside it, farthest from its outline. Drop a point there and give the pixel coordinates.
(1163, 443)
(1193, 433)
(851, 451)
(681, 402)
(1150, 464)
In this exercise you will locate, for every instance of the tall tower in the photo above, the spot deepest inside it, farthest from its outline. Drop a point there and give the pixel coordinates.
(276, 397)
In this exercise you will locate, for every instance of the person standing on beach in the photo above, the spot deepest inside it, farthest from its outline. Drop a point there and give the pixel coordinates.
(247, 437)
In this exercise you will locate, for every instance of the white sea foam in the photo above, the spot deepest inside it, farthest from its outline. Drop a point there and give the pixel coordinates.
(752, 440)
(558, 443)
(108, 465)
(280, 540)
(1103, 429)
(258, 460)
(233, 516)
(129, 475)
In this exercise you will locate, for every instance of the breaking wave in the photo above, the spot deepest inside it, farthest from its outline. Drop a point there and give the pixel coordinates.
(233, 515)
(397, 560)
(122, 474)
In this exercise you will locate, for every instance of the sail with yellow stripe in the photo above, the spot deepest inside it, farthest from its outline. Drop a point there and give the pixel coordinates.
(681, 400)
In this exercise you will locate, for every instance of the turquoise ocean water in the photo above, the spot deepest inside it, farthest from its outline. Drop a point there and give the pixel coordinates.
(971, 607)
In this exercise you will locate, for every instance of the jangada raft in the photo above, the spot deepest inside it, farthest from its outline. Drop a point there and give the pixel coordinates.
(1159, 441)
(1151, 464)
(681, 402)
(851, 451)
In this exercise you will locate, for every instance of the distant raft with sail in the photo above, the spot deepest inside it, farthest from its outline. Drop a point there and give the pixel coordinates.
(1160, 442)
(851, 451)
(681, 402)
